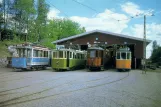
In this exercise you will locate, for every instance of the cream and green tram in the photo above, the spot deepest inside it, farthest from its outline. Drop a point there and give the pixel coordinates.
(68, 59)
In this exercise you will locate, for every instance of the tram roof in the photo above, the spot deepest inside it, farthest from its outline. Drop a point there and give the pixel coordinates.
(124, 50)
(99, 31)
(95, 48)
(65, 49)
(34, 47)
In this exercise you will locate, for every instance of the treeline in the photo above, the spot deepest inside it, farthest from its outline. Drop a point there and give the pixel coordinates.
(156, 54)
(27, 20)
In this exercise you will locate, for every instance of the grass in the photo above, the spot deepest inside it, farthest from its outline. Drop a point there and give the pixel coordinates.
(3, 48)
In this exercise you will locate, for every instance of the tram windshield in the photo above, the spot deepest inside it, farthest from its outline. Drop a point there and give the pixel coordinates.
(92, 54)
(123, 55)
(24, 52)
(95, 53)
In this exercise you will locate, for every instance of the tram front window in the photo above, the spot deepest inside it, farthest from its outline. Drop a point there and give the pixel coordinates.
(92, 54)
(23, 52)
(123, 55)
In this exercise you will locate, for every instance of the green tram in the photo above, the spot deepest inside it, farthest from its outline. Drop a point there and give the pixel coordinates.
(68, 59)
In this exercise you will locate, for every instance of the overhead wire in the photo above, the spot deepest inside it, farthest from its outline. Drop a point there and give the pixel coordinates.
(57, 8)
(141, 15)
(86, 6)
(96, 11)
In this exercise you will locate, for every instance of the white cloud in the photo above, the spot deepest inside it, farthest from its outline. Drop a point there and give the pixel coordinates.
(131, 8)
(0, 1)
(152, 31)
(106, 20)
(53, 13)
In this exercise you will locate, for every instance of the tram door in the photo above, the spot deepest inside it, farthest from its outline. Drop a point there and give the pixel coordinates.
(67, 58)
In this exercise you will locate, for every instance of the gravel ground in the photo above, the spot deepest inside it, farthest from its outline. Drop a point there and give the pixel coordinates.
(79, 88)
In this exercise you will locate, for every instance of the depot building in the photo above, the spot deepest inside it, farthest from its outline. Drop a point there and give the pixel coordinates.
(109, 40)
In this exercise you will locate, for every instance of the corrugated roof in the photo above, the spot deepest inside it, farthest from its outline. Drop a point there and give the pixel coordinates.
(98, 31)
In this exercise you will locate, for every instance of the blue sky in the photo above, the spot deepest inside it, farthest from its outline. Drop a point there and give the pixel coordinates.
(108, 12)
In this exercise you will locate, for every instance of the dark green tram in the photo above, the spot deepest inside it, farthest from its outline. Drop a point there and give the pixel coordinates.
(67, 59)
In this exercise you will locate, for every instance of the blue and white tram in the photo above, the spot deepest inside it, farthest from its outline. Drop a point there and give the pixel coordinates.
(31, 57)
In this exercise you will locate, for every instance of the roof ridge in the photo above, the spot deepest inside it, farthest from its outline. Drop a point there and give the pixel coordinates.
(99, 31)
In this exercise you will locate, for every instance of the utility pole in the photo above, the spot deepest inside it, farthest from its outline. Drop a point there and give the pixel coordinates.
(4, 14)
(144, 44)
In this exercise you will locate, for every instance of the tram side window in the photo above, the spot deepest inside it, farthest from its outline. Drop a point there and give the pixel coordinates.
(35, 54)
(18, 52)
(70, 56)
(123, 55)
(118, 55)
(60, 54)
(22, 52)
(28, 53)
(65, 53)
(39, 53)
(97, 53)
(81, 56)
(128, 55)
(101, 53)
(45, 53)
(54, 54)
(77, 55)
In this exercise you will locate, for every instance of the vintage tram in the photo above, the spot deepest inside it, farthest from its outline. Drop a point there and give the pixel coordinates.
(31, 57)
(68, 59)
(123, 59)
(95, 58)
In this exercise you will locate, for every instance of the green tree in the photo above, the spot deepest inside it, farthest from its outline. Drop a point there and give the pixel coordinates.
(41, 19)
(156, 53)
(60, 28)
(25, 15)
(156, 56)
(155, 45)
(66, 28)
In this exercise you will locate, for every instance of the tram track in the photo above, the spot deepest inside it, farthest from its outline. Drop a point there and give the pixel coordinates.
(9, 75)
(54, 79)
(32, 84)
(4, 103)
(16, 79)
(135, 94)
(13, 73)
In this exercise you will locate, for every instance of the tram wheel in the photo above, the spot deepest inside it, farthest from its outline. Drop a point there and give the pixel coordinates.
(44, 67)
(24, 69)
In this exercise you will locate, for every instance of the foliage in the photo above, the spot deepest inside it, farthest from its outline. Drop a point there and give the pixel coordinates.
(65, 28)
(41, 19)
(155, 45)
(3, 47)
(30, 18)
(156, 54)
